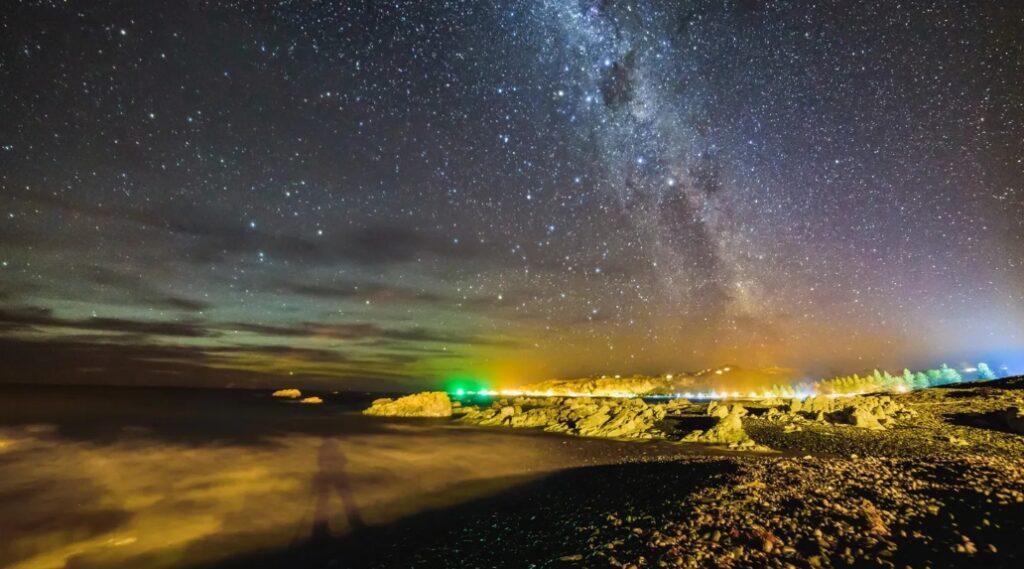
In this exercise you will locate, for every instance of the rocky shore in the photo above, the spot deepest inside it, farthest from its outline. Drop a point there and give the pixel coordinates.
(634, 418)
(582, 416)
(426, 404)
(745, 511)
(933, 478)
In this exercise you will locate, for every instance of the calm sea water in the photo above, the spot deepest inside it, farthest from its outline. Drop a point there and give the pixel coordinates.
(167, 477)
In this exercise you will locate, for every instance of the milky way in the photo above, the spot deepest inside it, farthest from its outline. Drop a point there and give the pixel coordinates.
(382, 195)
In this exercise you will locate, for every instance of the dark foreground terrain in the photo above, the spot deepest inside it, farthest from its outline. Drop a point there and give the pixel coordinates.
(321, 487)
(711, 512)
(945, 489)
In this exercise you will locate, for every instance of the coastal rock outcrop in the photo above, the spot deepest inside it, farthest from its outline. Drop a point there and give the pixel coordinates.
(582, 416)
(426, 404)
(862, 417)
(721, 410)
(728, 431)
(875, 412)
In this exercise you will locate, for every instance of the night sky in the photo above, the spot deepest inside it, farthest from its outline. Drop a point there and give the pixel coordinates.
(395, 194)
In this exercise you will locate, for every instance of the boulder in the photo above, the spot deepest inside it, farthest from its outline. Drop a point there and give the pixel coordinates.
(287, 393)
(863, 418)
(677, 406)
(817, 404)
(728, 431)
(426, 404)
(539, 417)
(500, 416)
(715, 409)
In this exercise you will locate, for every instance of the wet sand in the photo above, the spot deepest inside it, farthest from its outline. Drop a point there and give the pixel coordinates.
(104, 477)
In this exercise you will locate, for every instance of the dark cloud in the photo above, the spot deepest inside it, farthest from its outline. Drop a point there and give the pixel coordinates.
(20, 319)
(369, 333)
(76, 361)
(310, 330)
(179, 329)
(375, 292)
(618, 83)
(15, 318)
(139, 290)
(209, 238)
(82, 360)
(382, 244)
(231, 354)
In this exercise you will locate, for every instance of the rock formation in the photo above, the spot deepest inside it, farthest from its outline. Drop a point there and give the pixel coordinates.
(875, 412)
(426, 404)
(287, 393)
(583, 416)
(728, 431)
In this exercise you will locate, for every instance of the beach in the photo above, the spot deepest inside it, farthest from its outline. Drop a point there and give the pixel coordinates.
(229, 479)
(160, 477)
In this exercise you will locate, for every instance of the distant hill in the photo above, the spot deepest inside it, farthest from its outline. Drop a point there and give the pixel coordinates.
(721, 379)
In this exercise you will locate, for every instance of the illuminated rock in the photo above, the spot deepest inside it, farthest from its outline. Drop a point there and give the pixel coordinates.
(816, 404)
(426, 404)
(728, 431)
(677, 406)
(720, 410)
(502, 417)
(311, 400)
(582, 416)
(287, 393)
(871, 412)
(541, 417)
(863, 418)
(717, 410)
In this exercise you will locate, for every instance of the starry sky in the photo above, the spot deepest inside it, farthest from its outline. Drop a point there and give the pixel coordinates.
(395, 194)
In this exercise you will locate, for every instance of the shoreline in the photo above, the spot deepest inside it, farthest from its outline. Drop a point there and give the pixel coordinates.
(194, 479)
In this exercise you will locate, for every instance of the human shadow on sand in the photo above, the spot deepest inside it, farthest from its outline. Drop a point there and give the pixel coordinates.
(530, 521)
(332, 480)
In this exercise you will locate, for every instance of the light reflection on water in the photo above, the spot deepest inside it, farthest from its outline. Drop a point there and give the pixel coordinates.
(138, 492)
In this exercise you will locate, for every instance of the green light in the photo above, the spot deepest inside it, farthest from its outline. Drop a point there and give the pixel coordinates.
(462, 385)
